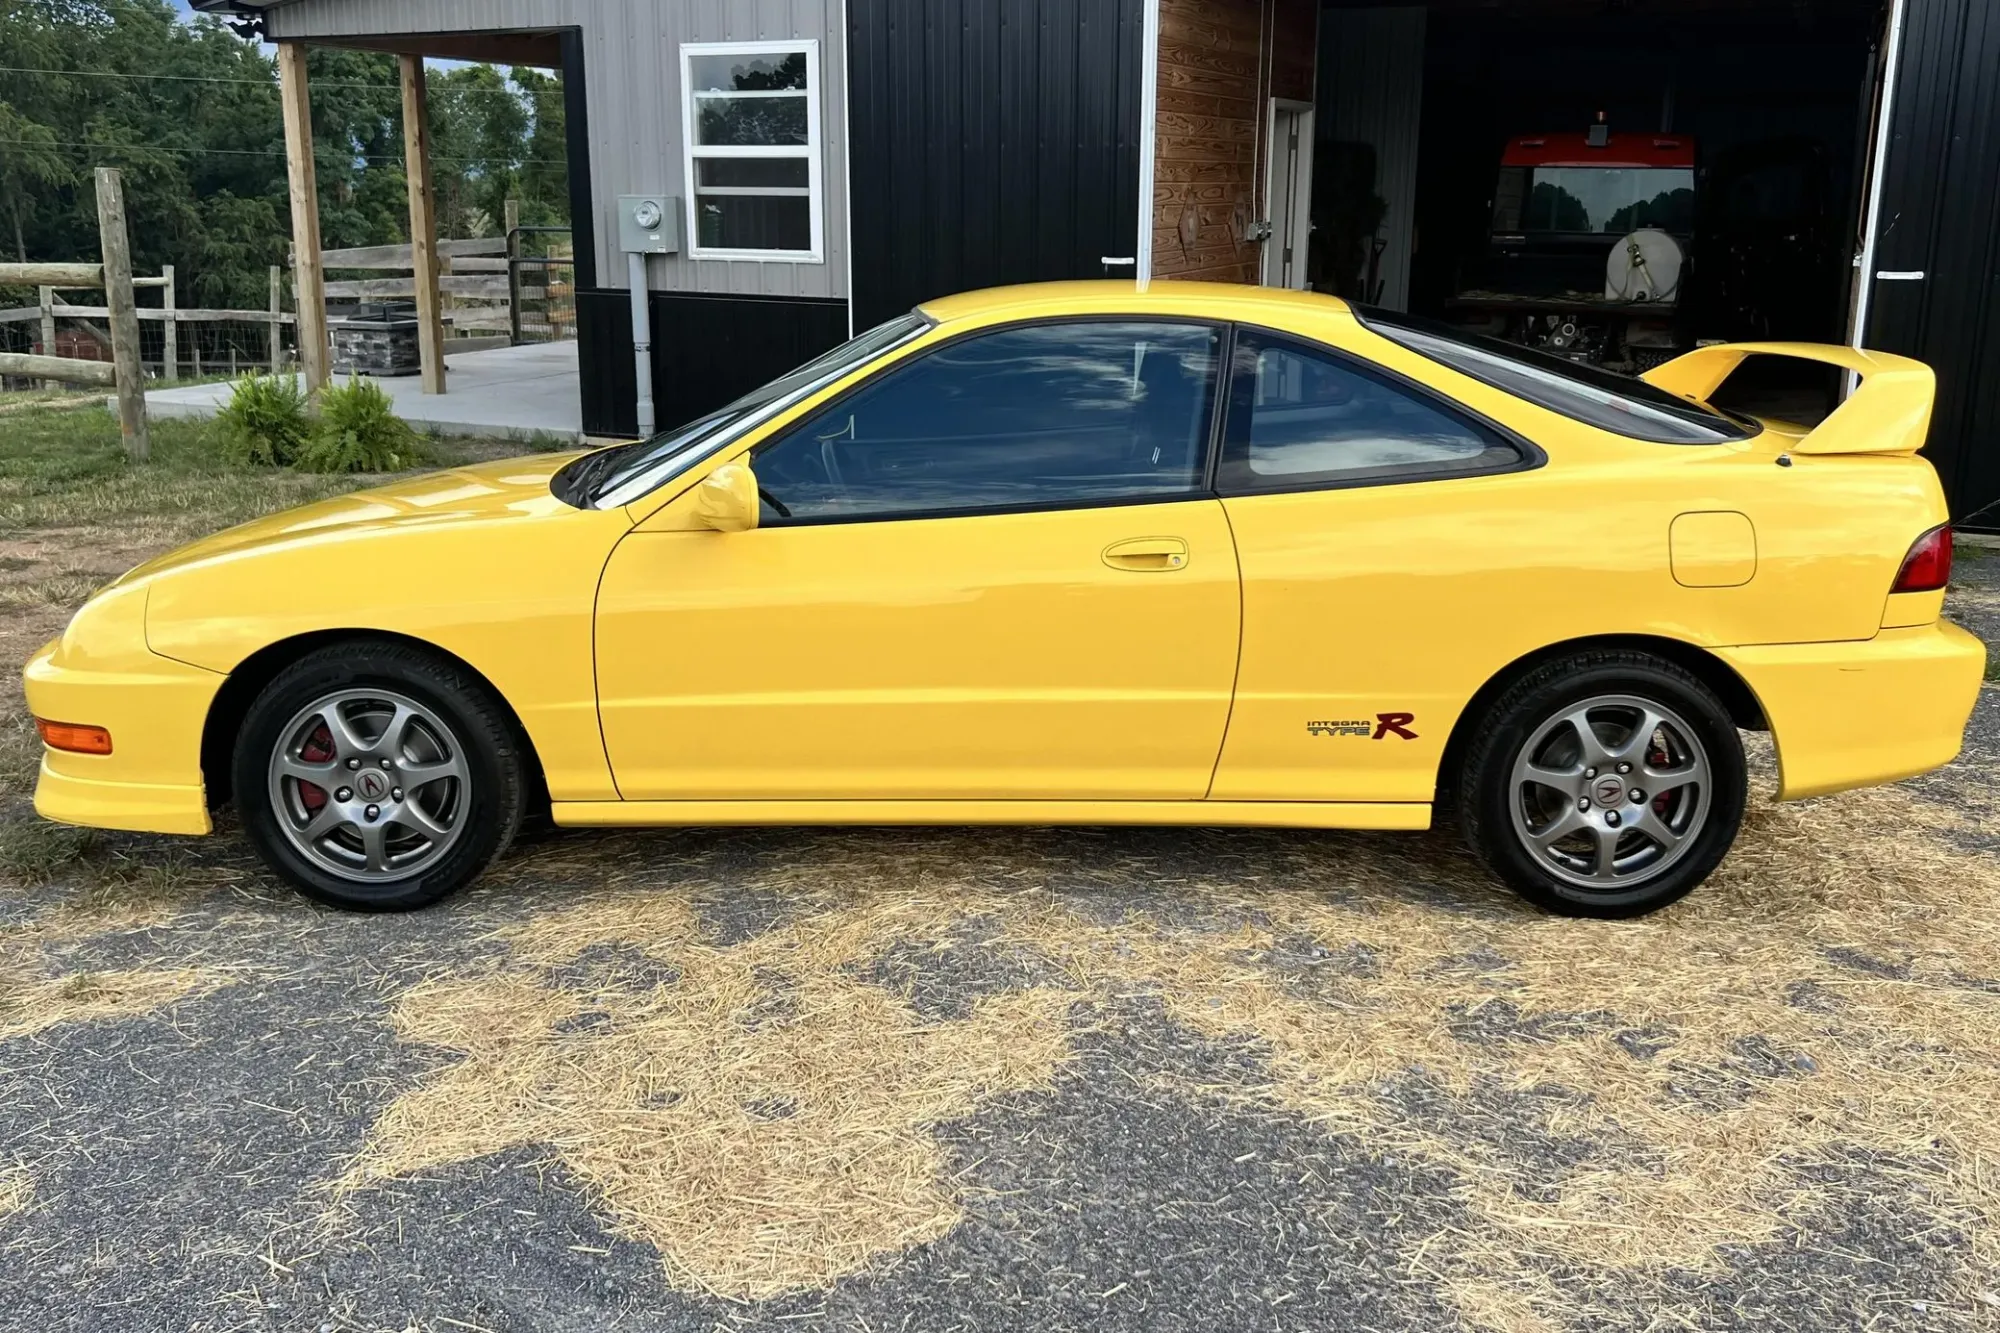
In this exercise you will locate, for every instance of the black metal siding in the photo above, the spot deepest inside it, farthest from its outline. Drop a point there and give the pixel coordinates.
(991, 141)
(1941, 215)
(707, 351)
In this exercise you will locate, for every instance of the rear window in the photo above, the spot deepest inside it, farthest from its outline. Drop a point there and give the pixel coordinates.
(1617, 403)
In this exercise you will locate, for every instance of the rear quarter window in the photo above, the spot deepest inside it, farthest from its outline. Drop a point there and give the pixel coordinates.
(1616, 403)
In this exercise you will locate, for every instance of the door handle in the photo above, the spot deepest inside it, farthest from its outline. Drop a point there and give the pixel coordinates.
(1148, 555)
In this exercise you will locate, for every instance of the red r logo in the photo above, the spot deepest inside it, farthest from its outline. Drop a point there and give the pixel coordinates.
(1395, 724)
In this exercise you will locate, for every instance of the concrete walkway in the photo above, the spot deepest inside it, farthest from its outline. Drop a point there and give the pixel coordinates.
(516, 393)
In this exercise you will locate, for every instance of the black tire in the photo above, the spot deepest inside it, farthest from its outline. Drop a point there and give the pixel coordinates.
(1499, 824)
(488, 803)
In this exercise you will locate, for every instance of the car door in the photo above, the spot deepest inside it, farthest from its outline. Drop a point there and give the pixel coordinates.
(992, 571)
(1372, 520)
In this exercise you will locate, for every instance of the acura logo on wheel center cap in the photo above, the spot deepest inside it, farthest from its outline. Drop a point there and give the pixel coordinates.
(1609, 790)
(372, 785)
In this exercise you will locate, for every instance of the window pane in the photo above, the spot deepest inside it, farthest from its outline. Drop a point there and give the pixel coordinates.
(1597, 397)
(1300, 417)
(754, 222)
(1609, 199)
(760, 173)
(737, 121)
(747, 73)
(1049, 415)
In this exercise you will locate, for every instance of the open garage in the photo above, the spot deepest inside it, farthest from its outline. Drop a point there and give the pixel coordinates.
(1609, 182)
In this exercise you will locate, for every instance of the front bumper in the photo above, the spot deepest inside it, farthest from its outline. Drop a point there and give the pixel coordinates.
(155, 710)
(1848, 715)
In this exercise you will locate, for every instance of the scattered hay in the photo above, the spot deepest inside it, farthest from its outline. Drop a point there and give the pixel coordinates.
(17, 1190)
(31, 1004)
(762, 1118)
(762, 1115)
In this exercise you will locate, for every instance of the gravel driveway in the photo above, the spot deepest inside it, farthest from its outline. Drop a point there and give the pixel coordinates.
(1009, 1079)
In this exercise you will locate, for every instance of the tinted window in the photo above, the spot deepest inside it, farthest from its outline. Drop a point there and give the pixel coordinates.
(622, 472)
(1300, 417)
(1040, 415)
(1617, 403)
(1594, 199)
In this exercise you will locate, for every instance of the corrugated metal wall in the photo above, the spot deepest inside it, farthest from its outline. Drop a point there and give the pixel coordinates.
(1371, 90)
(995, 141)
(1941, 216)
(632, 62)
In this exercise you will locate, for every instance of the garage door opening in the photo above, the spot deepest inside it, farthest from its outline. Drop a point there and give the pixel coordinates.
(1608, 184)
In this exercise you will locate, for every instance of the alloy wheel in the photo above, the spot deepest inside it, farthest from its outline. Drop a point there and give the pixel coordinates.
(1610, 793)
(369, 785)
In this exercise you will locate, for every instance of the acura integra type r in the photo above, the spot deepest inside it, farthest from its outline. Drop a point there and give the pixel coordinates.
(1076, 554)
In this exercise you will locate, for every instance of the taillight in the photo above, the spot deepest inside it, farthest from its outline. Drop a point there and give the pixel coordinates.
(1927, 567)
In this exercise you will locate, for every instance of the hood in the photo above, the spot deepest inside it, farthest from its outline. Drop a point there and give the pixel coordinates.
(509, 488)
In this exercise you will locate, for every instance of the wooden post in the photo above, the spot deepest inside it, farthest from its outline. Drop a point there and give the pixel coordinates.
(512, 211)
(48, 295)
(124, 314)
(308, 275)
(170, 328)
(423, 221)
(277, 308)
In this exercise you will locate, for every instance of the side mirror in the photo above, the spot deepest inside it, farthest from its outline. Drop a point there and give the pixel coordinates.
(727, 499)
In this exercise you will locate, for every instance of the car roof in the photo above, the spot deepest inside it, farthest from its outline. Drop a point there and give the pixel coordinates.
(1229, 299)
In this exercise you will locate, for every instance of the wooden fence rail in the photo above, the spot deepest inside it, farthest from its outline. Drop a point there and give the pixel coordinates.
(113, 273)
(67, 369)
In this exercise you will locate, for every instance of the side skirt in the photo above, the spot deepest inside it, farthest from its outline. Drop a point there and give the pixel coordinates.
(1256, 814)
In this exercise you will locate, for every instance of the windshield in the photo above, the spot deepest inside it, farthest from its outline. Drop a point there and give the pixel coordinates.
(1594, 199)
(625, 471)
(1597, 397)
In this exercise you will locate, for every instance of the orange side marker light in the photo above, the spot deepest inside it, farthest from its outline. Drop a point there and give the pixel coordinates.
(74, 737)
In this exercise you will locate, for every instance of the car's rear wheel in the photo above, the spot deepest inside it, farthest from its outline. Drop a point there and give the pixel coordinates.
(378, 777)
(1606, 785)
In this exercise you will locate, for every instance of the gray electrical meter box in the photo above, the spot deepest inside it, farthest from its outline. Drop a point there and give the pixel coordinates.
(649, 224)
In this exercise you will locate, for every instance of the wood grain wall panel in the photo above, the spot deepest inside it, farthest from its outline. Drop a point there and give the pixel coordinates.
(1221, 61)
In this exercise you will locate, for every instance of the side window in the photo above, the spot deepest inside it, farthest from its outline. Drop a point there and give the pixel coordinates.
(1041, 415)
(1302, 417)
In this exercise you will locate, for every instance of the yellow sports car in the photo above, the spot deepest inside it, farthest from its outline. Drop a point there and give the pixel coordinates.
(1075, 553)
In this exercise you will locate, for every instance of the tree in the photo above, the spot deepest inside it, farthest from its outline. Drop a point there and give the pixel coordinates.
(191, 113)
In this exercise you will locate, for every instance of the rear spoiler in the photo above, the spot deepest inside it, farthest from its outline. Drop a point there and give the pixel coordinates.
(1889, 414)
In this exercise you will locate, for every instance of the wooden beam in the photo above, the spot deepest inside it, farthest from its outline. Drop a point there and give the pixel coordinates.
(52, 275)
(399, 256)
(194, 316)
(65, 369)
(277, 316)
(170, 353)
(309, 279)
(490, 287)
(423, 221)
(116, 243)
(48, 314)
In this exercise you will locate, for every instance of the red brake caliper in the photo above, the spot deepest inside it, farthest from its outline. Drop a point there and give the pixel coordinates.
(1657, 757)
(318, 749)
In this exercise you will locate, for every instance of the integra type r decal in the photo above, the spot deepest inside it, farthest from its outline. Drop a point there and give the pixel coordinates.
(1385, 724)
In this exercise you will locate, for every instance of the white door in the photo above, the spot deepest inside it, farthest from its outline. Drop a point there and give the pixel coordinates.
(1288, 194)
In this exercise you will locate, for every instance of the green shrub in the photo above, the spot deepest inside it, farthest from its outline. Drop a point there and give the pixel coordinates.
(357, 431)
(265, 422)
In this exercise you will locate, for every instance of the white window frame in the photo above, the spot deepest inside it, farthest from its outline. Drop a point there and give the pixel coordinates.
(812, 151)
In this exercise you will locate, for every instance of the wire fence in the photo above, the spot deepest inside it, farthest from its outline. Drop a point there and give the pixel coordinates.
(520, 288)
(542, 278)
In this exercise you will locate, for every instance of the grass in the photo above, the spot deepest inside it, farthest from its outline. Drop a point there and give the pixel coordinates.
(66, 467)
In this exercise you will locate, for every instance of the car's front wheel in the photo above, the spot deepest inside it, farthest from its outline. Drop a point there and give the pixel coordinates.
(1605, 785)
(378, 777)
